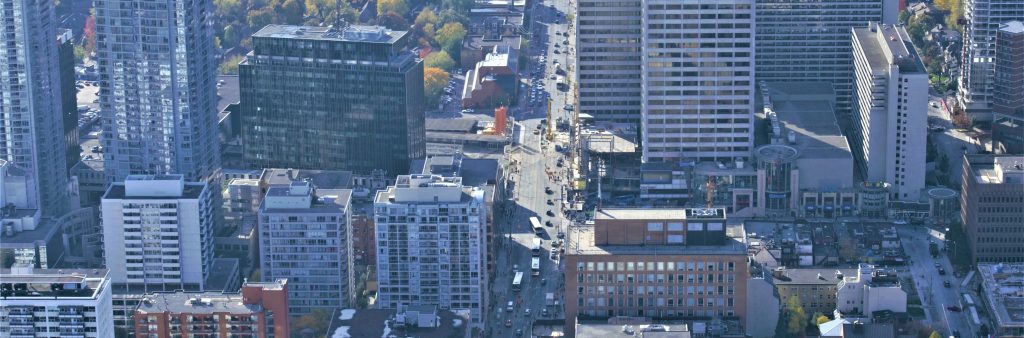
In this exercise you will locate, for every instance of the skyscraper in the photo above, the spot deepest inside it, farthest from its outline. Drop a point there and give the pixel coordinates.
(68, 97)
(338, 98)
(157, 92)
(431, 245)
(891, 109)
(31, 126)
(1007, 98)
(801, 41)
(977, 76)
(697, 80)
(608, 59)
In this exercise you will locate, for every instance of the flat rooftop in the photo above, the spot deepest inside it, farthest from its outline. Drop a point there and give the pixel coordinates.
(807, 110)
(353, 33)
(41, 283)
(580, 241)
(325, 200)
(45, 229)
(605, 141)
(461, 125)
(997, 169)
(192, 191)
(887, 44)
(1004, 292)
(811, 276)
(1015, 27)
(321, 179)
(197, 303)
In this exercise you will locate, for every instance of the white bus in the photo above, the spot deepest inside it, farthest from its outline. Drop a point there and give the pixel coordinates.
(537, 227)
(535, 266)
(536, 246)
(517, 282)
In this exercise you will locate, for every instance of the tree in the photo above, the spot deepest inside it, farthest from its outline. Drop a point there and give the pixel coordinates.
(230, 66)
(439, 60)
(796, 316)
(228, 8)
(292, 11)
(321, 8)
(393, 21)
(461, 6)
(450, 37)
(449, 15)
(935, 334)
(80, 54)
(318, 320)
(231, 36)
(89, 33)
(397, 6)
(434, 80)
(259, 18)
(820, 319)
(426, 23)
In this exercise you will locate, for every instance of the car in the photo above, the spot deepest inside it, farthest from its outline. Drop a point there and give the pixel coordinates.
(519, 332)
(526, 313)
(942, 271)
(560, 235)
(544, 312)
(551, 202)
(536, 132)
(508, 323)
(934, 104)
(548, 224)
(937, 265)
(946, 284)
(559, 164)
(550, 213)
(543, 281)
(557, 52)
(953, 308)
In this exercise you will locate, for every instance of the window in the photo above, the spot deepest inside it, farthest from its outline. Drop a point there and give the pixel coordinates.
(655, 226)
(675, 226)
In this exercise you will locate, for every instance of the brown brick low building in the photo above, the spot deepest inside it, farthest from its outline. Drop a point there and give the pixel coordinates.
(661, 264)
(259, 311)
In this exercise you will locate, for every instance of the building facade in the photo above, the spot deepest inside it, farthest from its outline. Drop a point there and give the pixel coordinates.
(68, 97)
(870, 290)
(1007, 101)
(158, 233)
(697, 80)
(608, 46)
(977, 76)
(658, 263)
(891, 109)
(32, 136)
(992, 207)
(55, 303)
(305, 236)
(260, 310)
(431, 245)
(348, 98)
(799, 41)
(158, 99)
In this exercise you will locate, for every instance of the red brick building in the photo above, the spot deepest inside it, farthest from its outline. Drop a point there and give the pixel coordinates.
(260, 310)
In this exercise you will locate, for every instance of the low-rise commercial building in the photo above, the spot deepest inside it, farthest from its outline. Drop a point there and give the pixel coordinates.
(992, 207)
(260, 310)
(815, 288)
(55, 303)
(658, 263)
(494, 80)
(871, 290)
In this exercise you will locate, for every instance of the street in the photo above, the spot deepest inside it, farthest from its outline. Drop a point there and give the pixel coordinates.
(935, 296)
(537, 174)
(951, 142)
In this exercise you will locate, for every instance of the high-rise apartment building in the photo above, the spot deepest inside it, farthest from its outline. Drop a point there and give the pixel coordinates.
(977, 76)
(158, 233)
(260, 310)
(992, 207)
(305, 237)
(890, 109)
(800, 41)
(431, 245)
(660, 263)
(157, 92)
(55, 303)
(31, 125)
(1008, 92)
(697, 80)
(608, 47)
(339, 98)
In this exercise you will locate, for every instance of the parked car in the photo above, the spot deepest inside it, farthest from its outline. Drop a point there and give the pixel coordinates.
(953, 308)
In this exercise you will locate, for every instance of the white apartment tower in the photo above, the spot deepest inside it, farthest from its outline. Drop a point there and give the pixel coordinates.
(157, 233)
(305, 237)
(801, 41)
(31, 130)
(698, 80)
(977, 76)
(157, 91)
(890, 109)
(55, 303)
(431, 245)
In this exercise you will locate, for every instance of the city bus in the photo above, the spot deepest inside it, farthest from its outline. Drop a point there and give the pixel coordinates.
(537, 227)
(517, 282)
(535, 266)
(536, 246)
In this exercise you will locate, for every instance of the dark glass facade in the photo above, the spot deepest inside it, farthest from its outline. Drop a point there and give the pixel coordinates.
(68, 97)
(342, 99)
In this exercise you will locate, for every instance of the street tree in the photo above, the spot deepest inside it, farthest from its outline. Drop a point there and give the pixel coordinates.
(439, 60)
(398, 6)
(796, 315)
(434, 80)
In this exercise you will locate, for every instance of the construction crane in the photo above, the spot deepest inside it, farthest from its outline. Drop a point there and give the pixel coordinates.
(710, 187)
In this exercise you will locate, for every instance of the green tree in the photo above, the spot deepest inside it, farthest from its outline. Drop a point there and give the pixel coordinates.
(796, 315)
(80, 54)
(398, 6)
(820, 319)
(259, 18)
(318, 321)
(230, 66)
(450, 37)
(228, 8)
(291, 12)
(393, 21)
(439, 60)
(434, 80)
(449, 15)
(426, 23)
(935, 334)
(461, 6)
(904, 17)
(230, 35)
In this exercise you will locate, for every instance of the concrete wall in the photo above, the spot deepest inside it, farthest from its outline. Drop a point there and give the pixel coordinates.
(762, 308)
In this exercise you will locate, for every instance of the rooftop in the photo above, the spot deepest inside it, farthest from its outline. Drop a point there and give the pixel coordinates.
(997, 169)
(355, 33)
(580, 241)
(464, 125)
(887, 44)
(45, 229)
(1014, 27)
(606, 141)
(803, 111)
(801, 276)
(322, 200)
(323, 179)
(371, 323)
(192, 190)
(197, 303)
(1003, 286)
(23, 283)
(638, 214)
(604, 329)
